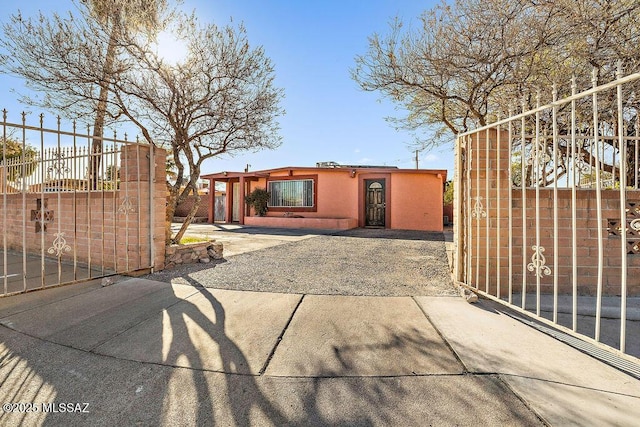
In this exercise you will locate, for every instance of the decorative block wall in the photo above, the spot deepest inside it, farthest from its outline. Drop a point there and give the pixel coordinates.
(484, 260)
(122, 230)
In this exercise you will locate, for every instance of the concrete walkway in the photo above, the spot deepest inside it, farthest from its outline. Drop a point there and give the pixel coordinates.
(143, 352)
(140, 352)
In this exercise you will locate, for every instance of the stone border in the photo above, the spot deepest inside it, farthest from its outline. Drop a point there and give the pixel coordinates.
(191, 253)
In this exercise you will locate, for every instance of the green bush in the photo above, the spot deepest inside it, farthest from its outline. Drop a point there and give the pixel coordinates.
(258, 199)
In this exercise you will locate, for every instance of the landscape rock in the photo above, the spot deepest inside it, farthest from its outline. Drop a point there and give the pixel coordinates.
(469, 296)
(202, 252)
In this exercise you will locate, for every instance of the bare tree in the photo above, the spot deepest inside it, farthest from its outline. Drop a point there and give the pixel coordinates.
(447, 72)
(117, 18)
(476, 60)
(71, 61)
(220, 99)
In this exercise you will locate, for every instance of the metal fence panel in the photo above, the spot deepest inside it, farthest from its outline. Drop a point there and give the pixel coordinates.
(71, 206)
(549, 212)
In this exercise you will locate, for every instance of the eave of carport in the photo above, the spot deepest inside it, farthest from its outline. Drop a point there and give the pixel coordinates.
(229, 178)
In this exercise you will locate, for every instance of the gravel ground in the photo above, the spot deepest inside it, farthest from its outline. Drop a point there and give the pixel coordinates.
(355, 262)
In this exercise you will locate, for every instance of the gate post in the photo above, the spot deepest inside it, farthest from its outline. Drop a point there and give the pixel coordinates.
(457, 213)
(477, 175)
(142, 203)
(159, 202)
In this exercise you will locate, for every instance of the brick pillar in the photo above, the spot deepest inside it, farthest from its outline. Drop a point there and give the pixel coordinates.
(484, 184)
(142, 205)
(160, 206)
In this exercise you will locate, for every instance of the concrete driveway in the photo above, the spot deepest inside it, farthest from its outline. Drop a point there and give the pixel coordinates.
(147, 352)
(27, 272)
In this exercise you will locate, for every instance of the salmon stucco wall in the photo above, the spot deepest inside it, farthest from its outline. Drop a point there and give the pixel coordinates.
(337, 194)
(416, 202)
(414, 199)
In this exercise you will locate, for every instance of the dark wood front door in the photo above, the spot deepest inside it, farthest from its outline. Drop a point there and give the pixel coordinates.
(375, 204)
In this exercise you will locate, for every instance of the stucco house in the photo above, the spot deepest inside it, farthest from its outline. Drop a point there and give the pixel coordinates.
(336, 197)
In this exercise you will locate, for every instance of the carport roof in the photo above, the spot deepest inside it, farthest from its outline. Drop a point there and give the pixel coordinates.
(225, 176)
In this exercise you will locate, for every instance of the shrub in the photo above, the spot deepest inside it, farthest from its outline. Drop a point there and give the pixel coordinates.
(258, 200)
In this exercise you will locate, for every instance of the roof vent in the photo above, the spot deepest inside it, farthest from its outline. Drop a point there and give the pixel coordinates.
(327, 165)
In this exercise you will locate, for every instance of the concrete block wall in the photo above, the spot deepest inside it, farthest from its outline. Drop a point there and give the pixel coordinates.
(485, 232)
(143, 235)
(97, 226)
(185, 207)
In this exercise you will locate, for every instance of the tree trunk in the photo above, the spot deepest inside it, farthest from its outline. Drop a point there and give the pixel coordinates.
(188, 219)
(101, 112)
(170, 212)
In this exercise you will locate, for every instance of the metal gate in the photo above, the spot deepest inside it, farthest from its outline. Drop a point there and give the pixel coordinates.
(74, 207)
(548, 212)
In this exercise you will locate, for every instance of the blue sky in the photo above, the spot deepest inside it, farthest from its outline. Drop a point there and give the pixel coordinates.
(312, 45)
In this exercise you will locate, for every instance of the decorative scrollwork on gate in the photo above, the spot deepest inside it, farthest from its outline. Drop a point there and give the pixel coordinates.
(127, 205)
(539, 155)
(580, 164)
(59, 245)
(58, 165)
(478, 209)
(538, 262)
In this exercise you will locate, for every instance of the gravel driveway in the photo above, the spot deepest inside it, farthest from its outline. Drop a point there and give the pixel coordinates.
(355, 262)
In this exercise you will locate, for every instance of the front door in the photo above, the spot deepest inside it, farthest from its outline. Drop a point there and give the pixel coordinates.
(375, 203)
